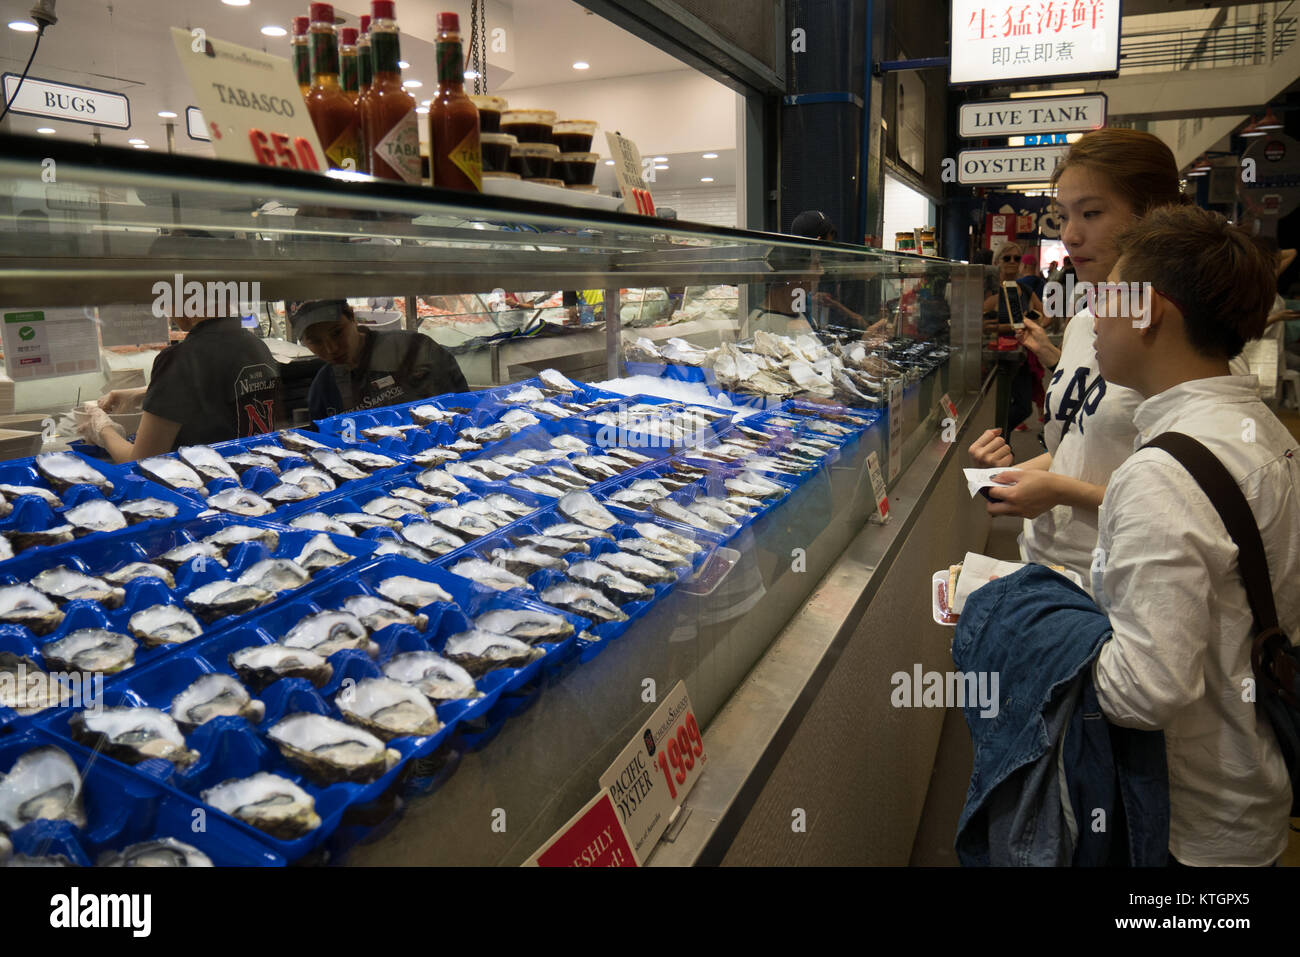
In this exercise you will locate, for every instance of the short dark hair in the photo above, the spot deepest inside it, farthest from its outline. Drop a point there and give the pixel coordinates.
(1220, 276)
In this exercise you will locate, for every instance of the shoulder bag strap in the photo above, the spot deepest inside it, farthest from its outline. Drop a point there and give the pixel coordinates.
(1268, 650)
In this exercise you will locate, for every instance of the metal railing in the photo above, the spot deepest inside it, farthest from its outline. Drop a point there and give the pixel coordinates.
(1220, 45)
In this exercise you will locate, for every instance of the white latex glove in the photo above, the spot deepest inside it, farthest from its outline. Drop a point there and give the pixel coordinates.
(94, 422)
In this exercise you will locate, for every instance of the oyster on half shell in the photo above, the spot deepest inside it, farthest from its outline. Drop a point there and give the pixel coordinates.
(432, 675)
(329, 631)
(132, 735)
(90, 650)
(170, 472)
(164, 625)
(321, 552)
(220, 598)
(164, 852)
(329, 751)
(261, 665)
(24, 605)
(43, 785)
(65, 584)
(96, 515)
(268, 802)
(388, 709)
(66, 469)
(25, 687)
(215, 696)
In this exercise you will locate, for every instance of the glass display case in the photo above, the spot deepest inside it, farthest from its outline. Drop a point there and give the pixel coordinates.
(760, 328)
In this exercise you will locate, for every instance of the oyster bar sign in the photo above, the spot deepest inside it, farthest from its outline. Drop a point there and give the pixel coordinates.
(1017, 164)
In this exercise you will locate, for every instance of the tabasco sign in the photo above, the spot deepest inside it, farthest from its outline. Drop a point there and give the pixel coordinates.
(250, 102)
(996, 41)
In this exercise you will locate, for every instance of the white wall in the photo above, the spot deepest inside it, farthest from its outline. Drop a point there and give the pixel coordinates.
(678, 112)
(715, 205)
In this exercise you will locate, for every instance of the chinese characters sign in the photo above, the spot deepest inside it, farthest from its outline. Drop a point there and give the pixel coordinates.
(993, 40)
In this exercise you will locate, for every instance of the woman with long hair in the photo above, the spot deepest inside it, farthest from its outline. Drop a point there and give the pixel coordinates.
(1109, 179)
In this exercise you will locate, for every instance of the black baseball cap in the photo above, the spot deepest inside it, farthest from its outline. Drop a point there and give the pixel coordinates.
(316, 311)
(812, 224)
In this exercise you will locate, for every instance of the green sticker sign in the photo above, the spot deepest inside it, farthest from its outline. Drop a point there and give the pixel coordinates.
(36, 316)
(26, 333)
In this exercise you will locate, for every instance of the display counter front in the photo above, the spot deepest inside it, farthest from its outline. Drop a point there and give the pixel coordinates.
(717, 391)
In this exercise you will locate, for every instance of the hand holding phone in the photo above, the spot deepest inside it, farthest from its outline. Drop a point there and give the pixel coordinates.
(1011, 293)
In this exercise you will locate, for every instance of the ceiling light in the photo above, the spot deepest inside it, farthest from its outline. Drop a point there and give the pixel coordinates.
(235, 3)
(471, 74)
(609, 162)
(1269, 122)
(412, 84)
(706, 179)
(661, 166)
(1252, 129)
(403, 65)
(661, 159)
(167, 114)
(426, 102)
(22, 26)
(582, 65)
(135, 141)
(710, 156)
(142, 146)
(47, 130)
(422, 110)
(1202, 163)
(1026, 94)
(1196, 172)
(274, 31)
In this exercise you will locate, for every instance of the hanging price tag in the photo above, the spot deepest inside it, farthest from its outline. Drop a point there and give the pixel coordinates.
(250, 102)
(655, 772)
(878, 487)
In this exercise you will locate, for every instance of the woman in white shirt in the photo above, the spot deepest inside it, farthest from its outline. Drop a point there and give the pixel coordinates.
(1106, 183)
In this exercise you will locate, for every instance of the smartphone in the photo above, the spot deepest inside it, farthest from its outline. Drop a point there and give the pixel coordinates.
(1011, 293)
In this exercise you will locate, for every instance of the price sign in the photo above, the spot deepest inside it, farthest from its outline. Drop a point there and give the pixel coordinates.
(655, 772)
(628, 169)
(948, 407)
(878, 486)
(895, 428)
(250, 102)
(594, 837)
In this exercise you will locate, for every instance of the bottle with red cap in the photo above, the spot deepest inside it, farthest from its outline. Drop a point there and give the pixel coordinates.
(301, 54)
(349, 78)
(365, 65)
(455, 158)
(389, 122)
(332, 113)
(365, 70)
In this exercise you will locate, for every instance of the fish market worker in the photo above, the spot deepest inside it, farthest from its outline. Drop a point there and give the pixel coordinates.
(220, 382)
(367, 369)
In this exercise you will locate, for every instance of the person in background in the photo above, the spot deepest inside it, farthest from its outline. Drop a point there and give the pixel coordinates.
(1029, 277)
(1007, 259)
(1108, 180)
(366, 369)
(1182, 625)
(220, 382)
(1052, 270)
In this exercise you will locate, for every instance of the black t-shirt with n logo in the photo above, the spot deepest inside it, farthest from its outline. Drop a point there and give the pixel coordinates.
(221, 382)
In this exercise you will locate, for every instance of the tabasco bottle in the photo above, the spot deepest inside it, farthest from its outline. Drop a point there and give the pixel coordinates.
(365, 70)
(301, 54)
(365, 65)
(332, 113)
(349, 78)
(391, 126)
(456, 161)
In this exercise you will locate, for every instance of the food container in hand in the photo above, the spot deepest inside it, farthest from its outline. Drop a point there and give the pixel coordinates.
(496, 149)
(576, 169)
(533, 160)
(490, 109)
(528, 126)
(573, 136)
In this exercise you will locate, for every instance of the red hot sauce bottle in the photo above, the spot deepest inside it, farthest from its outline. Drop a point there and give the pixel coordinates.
(456, 159)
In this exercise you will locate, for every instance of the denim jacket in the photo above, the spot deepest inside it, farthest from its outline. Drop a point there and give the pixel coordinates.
(1053, 782)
